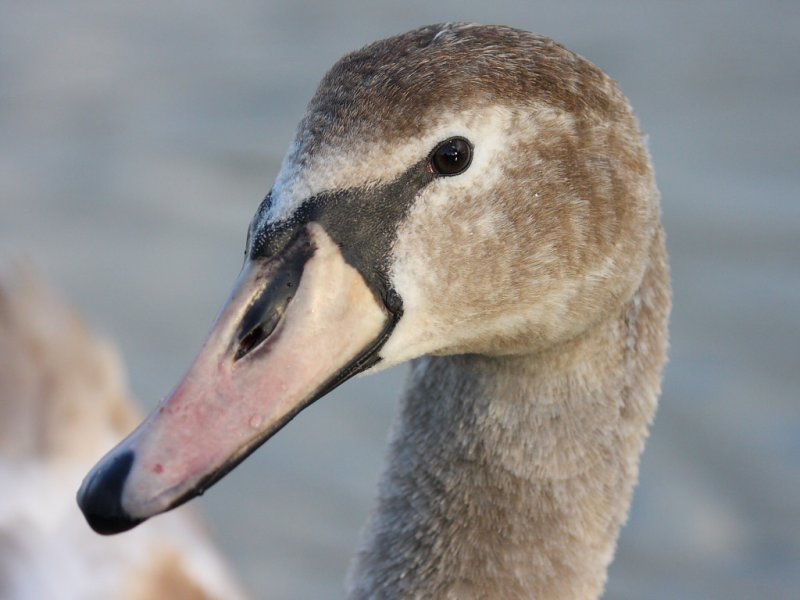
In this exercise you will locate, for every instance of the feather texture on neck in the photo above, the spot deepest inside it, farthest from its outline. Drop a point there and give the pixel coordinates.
(515, 473)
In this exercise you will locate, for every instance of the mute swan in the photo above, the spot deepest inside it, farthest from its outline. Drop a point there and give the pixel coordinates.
(477, 200)
(62, 402)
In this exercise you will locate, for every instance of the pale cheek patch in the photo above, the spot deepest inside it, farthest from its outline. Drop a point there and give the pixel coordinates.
(371, 162)
(453, 217)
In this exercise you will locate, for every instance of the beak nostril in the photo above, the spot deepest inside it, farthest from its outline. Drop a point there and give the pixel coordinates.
(250, 341)
(258, 334)
(268, 305)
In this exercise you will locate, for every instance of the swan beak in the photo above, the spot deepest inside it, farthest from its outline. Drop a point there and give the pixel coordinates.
(296, 325)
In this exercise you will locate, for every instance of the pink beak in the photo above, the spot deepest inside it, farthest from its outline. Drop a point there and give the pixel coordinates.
(295, 326)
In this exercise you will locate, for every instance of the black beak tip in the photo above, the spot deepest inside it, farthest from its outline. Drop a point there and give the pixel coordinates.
(100, 496)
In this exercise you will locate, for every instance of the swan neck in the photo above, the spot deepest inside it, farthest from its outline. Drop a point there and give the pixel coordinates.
(511, 476)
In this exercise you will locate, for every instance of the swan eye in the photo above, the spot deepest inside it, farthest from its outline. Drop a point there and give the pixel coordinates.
(451, 157)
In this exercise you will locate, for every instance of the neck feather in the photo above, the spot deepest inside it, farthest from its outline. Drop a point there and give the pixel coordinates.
(511, 476)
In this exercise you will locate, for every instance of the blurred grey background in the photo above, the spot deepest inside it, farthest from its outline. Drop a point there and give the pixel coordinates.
(136, 140)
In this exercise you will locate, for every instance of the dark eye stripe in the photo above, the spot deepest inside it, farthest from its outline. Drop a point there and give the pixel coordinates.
(451, 157)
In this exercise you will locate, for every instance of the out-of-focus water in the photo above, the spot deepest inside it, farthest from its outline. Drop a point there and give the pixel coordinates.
(136, 140)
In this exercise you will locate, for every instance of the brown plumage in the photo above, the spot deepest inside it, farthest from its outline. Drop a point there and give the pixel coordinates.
(513, 461)
(529, 286)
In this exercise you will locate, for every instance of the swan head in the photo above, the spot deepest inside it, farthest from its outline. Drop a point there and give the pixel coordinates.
(456, 189)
